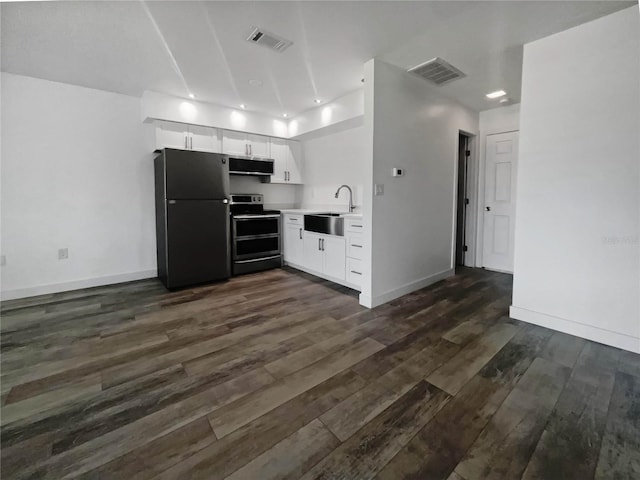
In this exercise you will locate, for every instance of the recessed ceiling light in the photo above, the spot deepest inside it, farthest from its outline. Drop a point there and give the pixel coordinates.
(317, 100)
(255, 83)
(191, 95)
(496, 94)
(242, 105)
(285, 115)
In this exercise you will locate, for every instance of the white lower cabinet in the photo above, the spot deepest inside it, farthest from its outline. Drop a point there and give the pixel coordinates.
(333, 249)
(324, 254)
(293, 243)
(335, 258)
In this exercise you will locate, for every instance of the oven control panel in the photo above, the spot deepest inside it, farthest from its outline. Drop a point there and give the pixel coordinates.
(247, 199)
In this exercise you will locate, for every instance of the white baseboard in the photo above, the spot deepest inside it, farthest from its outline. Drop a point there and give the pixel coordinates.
(76, 284)
(615, 339)
(376, 300)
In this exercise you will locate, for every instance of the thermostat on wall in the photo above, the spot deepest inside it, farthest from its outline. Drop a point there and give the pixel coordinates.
(398, 172)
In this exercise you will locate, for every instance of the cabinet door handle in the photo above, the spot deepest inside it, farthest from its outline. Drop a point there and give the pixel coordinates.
(300, 234)
(319, 243)
(185, 142)
(357, 273)
(323, 244)
(251, 150)
(357, 246)
(191, 143)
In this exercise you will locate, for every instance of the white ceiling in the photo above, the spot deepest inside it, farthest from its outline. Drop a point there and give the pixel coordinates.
(200, 47)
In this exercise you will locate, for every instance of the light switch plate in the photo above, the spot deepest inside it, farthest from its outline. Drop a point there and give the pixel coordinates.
(379, 189)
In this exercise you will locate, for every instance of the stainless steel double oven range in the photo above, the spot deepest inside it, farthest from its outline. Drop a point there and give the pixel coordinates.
(256, 240)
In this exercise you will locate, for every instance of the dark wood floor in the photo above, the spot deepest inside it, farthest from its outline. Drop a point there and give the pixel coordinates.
(280, 375)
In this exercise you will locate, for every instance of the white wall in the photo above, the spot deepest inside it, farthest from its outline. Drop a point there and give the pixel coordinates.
(410, 125)
(77, 172)
(577, 251)
(276, 195)
(330, 160)
(497, 120)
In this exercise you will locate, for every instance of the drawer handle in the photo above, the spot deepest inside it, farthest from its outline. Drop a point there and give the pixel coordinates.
(354, 245)
(357, 273)
(356, 225)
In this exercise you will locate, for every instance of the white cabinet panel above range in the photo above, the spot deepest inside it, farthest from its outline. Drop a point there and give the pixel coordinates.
(186, 137)
(287, 161)
(245, 144)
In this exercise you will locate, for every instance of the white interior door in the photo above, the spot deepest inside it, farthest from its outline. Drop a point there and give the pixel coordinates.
(499, 206)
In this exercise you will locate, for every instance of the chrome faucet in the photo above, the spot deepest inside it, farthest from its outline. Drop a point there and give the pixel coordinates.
(351, 207)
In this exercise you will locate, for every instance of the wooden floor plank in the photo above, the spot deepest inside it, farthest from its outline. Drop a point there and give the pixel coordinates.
(620, 452)
(228, 419)
(292, 457)
(367, 451)
(253, 439)
(504, 447)
(235, 379)
(453, 375)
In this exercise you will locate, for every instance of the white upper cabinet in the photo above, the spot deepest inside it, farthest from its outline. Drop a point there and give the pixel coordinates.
(234, 143)
(287, 159)
(259, 146)
(279, 149)
(171, 135)
(203, 139)
(294, 162)
(245, 144)
(186, 137)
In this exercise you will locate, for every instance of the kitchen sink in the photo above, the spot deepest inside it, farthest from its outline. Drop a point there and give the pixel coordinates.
(329, 223)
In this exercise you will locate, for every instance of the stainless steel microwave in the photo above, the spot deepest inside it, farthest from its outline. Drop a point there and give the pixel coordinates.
(251, 166)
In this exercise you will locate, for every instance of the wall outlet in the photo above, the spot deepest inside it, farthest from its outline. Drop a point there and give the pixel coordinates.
(378, 189)
(63, 253)
(3, 260)
(397, 172)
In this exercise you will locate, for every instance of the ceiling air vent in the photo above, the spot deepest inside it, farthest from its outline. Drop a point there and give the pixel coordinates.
(437, 71)
(269, 40)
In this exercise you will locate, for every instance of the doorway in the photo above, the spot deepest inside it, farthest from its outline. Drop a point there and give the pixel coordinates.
(462, 200)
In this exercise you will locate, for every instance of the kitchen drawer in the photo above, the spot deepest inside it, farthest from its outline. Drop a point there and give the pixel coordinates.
(354, 271)
(294, 219)
(354, 225)
(354, 245)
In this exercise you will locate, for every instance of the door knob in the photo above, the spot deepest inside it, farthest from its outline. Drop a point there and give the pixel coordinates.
(488, 209)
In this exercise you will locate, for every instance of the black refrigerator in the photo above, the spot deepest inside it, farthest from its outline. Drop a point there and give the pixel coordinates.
(192, 217)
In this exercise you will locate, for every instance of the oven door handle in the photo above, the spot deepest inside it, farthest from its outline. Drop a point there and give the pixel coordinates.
(251, 217)
(258, 259)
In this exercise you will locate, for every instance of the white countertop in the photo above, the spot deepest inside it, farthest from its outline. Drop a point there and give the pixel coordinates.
(303, 211)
